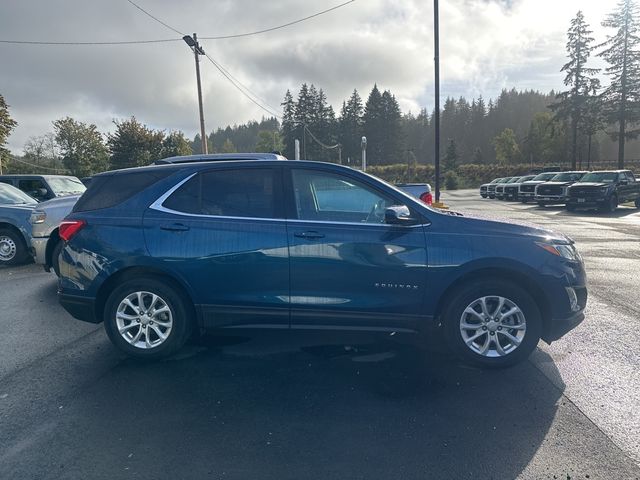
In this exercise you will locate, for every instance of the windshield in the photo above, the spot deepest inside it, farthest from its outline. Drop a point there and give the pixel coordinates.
(514, 180)
(600, 177)
(545, 176)
(496, 180)
(567, 177)
(66, 186)
(12, 196)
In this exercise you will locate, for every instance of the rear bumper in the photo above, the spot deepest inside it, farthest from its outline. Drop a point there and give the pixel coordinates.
(82, 308)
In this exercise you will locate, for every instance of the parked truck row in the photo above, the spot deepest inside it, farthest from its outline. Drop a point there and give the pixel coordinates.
(577, 190)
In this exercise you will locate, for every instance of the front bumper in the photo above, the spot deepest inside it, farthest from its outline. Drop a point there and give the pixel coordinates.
(526, 195)
(586, 202)
(39, 248)
(558, 327)
(82, 308)
(551, 198)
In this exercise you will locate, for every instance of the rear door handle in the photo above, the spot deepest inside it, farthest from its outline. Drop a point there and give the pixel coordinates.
(310, 235)
(174, 227)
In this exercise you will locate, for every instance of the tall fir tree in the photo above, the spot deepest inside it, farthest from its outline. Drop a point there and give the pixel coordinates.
(7, 124)
(571, 104)
(621, 99)
(373, 126)
(288, 125)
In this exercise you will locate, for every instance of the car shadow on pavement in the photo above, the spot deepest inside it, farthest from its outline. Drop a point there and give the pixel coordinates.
(282, 406)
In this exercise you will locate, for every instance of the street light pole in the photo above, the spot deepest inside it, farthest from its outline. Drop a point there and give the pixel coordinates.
(197, 51)
(436, 59)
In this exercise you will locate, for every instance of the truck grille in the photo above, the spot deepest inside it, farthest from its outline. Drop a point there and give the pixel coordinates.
(527, 188)
(584, 192)
(549, 190)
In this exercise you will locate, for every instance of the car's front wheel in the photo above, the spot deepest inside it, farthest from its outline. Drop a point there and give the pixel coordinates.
(637, 202)
(147, 318)
(12, 247)
(492, 323)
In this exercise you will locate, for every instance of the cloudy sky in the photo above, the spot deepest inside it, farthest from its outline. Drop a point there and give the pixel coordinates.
(486, 45)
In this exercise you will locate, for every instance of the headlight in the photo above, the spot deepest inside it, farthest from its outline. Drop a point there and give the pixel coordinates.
(563, 250)
(38, 216)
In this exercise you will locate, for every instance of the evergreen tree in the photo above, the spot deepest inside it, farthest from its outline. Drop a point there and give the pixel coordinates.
(288, 125)
(351, 126)
(175, 144)
(269, 141)
(82, 147)
(392, 140)
(373, 126)
(506, 146)
(621, 99)
(571, 104)
(7, 124)
(450, 159)
(228, 147)
(133, 144)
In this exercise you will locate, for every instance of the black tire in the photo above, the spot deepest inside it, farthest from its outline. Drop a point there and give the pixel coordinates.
(465, 295)
(570, 208)
(483, 196)
(179, 307)
(55, 257)
(637, 202)
(542, 204)
(524, 200)
(13, 249)
(611, 204)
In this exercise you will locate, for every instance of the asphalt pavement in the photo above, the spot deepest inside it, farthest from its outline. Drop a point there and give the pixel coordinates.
(284, 405)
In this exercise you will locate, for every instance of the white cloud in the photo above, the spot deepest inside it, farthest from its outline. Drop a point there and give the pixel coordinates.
(485, 46)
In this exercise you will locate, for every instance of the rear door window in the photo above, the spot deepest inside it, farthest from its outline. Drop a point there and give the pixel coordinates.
(246, 193)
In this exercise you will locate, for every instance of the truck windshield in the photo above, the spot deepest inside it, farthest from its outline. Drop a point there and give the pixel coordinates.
(545, 176)
(12, 196)
(66, 186)
(600, 177)
(567, 177)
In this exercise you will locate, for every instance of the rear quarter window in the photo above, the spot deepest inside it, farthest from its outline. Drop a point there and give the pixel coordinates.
(107, 191)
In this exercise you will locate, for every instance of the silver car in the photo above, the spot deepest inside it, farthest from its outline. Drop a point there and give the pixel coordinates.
(45, 220)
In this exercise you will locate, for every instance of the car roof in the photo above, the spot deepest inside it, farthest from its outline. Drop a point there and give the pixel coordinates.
(195, 166)
(217, 157)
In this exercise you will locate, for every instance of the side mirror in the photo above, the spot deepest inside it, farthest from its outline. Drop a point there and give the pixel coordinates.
(398, 215)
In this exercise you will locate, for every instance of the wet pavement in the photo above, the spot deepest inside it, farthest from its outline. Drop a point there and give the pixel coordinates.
(280, 405)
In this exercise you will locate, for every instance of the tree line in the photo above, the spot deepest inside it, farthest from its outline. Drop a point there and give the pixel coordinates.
(572, 127)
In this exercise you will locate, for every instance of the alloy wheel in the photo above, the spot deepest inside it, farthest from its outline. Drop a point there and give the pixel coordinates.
(493, 326)
(144, 319)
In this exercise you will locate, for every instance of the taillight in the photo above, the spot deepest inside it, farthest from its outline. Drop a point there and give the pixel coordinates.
(69, 228)
(427, 198)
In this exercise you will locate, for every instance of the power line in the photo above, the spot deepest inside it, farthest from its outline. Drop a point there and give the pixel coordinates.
(324, 145)
(257, 32)
(155, 18)
(236, 83)
(166, 40)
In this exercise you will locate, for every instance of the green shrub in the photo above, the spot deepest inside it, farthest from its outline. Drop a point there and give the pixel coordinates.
(451, 180)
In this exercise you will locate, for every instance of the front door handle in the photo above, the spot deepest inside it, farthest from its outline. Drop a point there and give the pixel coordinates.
(309, 235)
(175, 227)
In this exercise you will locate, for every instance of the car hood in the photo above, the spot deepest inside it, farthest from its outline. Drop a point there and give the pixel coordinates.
(27, 207)
(533, 182)
(496, 226)
(59, 202)
(591, 184)
(561, 184)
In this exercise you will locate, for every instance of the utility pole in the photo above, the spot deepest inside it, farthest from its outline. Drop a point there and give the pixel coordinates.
(436, 59)
(192, 41)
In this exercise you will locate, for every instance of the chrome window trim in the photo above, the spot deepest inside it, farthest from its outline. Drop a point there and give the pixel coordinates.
(158, 206)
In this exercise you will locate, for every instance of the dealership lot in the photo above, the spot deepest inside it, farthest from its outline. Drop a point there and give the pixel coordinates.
(274, 405)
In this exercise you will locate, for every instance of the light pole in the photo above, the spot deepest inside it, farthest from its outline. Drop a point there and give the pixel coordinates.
(363, 144)
(197, 51)
(436, 59)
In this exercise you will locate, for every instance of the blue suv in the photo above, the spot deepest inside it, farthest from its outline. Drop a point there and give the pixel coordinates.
(160, 252)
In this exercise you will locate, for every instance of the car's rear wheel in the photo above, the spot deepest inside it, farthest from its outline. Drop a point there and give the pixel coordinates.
(147, 318)
(55, 257)
(491, 323)
(12, 247)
